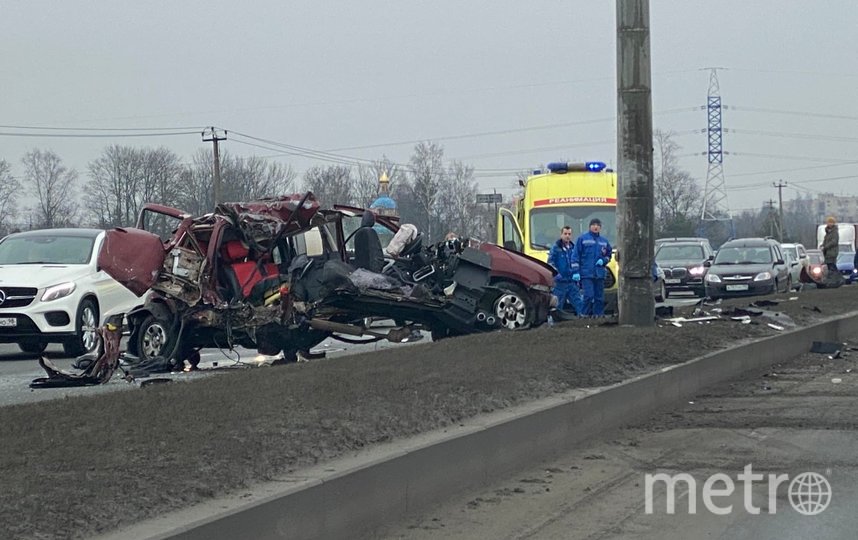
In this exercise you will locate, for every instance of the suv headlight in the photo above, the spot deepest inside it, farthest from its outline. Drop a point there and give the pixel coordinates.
(58, 291)
(697, 270)
(713, 278)
(763, 276)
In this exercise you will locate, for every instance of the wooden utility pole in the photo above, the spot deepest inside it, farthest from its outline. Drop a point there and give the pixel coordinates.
(210, 135)
(780, 185)
(635, 205)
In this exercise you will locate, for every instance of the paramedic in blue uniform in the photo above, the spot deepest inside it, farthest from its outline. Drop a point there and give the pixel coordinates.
(589, 257)
(560, 257)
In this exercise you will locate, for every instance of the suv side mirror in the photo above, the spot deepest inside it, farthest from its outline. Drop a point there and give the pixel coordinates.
(780, 261)
(708, 262)
(711, 257)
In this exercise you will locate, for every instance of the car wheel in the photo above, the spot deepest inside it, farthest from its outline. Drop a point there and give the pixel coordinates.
(33, 347)
(661, 295)
(155, 338)
(513, 308)
(86, 330)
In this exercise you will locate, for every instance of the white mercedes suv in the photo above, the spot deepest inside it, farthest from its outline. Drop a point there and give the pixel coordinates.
(52, 291)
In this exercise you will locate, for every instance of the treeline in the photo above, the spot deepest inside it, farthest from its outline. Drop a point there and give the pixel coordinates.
(435, 195)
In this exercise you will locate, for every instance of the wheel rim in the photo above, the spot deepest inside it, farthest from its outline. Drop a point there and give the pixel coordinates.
(511, 311)
(88, 324)
(154, 339)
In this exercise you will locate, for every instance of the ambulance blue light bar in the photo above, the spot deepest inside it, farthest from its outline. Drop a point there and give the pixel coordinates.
(563, 167)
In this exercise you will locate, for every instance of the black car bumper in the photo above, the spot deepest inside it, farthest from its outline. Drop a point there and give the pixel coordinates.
(684, 285)
(753, 288)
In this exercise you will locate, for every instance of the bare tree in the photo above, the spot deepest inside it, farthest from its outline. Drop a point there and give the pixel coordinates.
(426, 172)
(246, 179)
(677, 193)
(196, 184)
(9, 188)
(457, 206)
(331, 184)
(160, 172)
(124, 178)
(53, 186)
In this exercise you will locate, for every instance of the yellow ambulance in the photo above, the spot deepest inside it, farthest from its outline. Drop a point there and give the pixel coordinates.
(566, 194)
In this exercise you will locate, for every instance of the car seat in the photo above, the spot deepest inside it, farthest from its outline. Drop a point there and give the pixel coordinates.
(368, 252)
(242, 275)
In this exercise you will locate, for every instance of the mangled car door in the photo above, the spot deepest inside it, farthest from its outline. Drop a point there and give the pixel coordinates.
(133, 257)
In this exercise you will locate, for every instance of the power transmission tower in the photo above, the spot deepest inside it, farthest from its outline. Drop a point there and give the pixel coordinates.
(714, 209)
(210, 135)
(780, 185)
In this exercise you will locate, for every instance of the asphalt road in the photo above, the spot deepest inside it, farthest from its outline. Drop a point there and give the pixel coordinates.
(18, 369)
(794, 418)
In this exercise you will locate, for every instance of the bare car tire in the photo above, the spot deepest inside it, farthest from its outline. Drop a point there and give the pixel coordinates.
(513, 308)
(155, 338)
(86, 326)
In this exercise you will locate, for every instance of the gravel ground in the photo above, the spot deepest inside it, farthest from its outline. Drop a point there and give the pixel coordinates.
(79, 466)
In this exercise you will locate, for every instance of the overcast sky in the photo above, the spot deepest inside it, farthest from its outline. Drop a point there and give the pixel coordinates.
(503, 85)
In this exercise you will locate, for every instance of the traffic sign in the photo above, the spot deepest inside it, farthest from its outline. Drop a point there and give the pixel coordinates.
(489, 198)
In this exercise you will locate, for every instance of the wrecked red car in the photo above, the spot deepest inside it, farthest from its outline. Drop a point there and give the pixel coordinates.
(279, 275)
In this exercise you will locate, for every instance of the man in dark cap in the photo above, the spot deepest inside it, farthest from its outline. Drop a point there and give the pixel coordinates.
(591, 254)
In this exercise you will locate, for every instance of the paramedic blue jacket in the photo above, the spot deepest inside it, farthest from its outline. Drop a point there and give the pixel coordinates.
(560, 257)
(589, 248)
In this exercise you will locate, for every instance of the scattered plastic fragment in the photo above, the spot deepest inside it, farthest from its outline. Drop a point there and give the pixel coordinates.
(836, 380)
(775, 326)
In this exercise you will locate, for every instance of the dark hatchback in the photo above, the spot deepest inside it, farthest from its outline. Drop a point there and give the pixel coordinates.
(746, 267)
(683, 265)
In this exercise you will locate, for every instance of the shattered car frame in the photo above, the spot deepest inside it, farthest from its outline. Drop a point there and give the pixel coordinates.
(274, 275)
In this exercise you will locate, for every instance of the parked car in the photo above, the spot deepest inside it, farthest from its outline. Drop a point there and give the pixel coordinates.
(683, 263)
(794, 266)
(799, 253)
(276, 275)
(747, 266)
(846, 265)
(53, 291)
(815, 269)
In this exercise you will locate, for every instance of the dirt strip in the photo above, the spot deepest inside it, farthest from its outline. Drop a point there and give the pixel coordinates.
(75, 467)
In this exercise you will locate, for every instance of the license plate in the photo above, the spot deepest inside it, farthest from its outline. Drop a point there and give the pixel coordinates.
(672, 281)
(8, 321)
(737, 287)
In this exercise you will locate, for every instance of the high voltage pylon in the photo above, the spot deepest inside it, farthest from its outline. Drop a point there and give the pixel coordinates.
(716, 223)
(714, 194)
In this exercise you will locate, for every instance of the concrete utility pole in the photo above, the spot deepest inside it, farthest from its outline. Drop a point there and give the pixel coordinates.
(213, 137)
(770, 217)
(780, 185)
(635, 207)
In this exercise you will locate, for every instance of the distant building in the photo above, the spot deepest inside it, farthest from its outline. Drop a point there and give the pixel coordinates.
(844, 209)
(384, 205)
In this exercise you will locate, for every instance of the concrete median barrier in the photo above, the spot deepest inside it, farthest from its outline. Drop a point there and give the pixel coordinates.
(352, 497)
